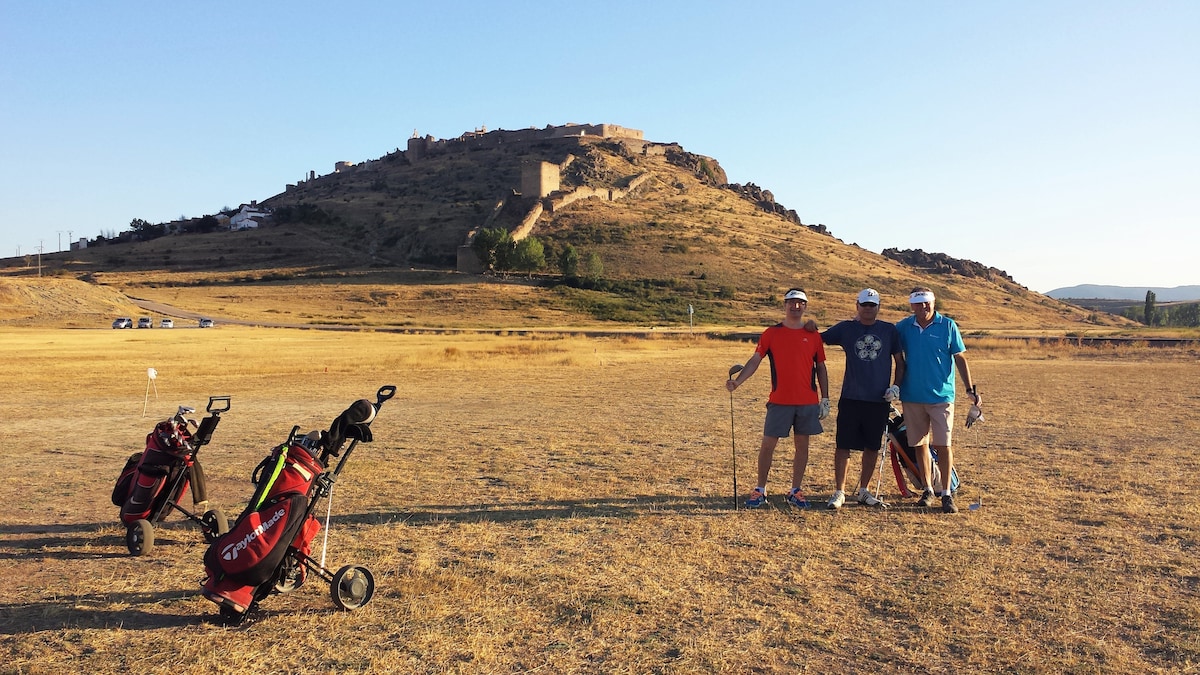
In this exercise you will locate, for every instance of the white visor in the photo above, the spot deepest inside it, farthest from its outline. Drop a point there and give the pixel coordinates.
(919, 297)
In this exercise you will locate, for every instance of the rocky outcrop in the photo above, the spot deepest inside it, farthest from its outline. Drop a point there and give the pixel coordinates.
(765, 201)
(940, 263)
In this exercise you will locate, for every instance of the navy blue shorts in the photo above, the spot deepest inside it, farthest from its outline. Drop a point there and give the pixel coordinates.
(860, 424)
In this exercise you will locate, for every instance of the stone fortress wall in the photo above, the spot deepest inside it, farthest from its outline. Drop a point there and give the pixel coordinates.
(481, 138)
(539, 180)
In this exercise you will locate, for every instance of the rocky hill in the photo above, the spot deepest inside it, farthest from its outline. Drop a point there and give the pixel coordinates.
(667, 229)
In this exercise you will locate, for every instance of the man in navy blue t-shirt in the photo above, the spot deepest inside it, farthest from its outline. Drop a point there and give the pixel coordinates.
(868, 389)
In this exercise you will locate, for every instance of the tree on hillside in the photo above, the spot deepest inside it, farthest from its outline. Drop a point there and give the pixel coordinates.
(529, 256)
(208, 223)
(1148, 312)
(568, 262)
(593, 267)
(146, 231)
(495, 248)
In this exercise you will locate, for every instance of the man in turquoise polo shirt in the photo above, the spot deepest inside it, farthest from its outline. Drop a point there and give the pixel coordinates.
(933, 350)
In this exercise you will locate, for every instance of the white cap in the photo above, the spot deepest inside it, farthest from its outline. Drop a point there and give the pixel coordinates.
(868, 295)
(795, 294)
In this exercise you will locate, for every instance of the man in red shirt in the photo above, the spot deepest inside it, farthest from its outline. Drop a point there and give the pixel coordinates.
(797, 358)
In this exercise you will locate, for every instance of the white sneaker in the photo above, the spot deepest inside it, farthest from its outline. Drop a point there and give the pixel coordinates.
(836, 501)
(867, 499)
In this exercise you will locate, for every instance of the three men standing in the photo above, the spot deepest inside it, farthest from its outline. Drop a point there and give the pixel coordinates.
(926, 348)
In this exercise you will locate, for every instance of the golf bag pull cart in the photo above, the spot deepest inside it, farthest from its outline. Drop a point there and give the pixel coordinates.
(268, 548)
(154, 480)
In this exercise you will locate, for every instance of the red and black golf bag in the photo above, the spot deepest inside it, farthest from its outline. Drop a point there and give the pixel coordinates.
(153, 481)
(268, 548)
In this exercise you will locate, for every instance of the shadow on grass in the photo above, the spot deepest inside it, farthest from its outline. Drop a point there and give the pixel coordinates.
(601, 507)
(84, 541)
(95, 610)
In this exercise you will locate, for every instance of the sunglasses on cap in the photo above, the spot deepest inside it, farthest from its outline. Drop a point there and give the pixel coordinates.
(868, 304)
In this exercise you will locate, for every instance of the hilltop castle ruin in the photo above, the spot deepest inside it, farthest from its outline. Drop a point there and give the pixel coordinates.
(419, 147)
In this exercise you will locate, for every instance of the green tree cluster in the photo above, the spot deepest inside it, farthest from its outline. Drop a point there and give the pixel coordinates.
(499, 253)
(1185, 315)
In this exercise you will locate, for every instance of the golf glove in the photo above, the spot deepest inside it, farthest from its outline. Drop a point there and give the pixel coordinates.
(892, 394)
(824, 409)
(975, 414)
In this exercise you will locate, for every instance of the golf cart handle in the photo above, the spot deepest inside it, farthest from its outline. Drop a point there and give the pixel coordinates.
(218, 404)
(385, 392)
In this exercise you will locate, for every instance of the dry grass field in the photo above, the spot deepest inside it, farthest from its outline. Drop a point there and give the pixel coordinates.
(563, 505)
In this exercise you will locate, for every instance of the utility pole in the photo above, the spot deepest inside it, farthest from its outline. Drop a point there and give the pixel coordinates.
(70, 238)
(59, 241)
(41, 245)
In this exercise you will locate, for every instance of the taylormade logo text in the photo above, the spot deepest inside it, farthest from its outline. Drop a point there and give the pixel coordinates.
(232, 551)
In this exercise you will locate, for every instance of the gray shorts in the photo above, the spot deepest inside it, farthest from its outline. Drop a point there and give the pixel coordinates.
(782, 418)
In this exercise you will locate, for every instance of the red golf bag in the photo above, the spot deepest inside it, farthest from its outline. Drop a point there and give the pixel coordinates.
(268, 548)
(167, 459)
(276, 518)
(152, 482)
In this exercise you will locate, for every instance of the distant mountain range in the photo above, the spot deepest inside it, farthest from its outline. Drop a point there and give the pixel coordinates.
(1094, 291)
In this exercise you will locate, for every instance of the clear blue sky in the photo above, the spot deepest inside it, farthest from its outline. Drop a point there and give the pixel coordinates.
(1058, 141)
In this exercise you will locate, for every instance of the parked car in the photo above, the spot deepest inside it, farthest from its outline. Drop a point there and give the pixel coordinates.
(123, 322)
(145, 322)
(206, 323)
(166, 323)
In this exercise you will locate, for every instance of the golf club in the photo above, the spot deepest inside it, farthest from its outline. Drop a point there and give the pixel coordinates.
(733, 370)
(883, 453)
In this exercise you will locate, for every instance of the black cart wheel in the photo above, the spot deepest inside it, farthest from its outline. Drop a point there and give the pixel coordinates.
(352, 587)
(139, 537)
(214, 524)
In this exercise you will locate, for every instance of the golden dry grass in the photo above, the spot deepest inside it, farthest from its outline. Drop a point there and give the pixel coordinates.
(563, 505)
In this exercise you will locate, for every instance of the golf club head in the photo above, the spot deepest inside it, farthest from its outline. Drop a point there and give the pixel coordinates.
(978, 504)
(735, 369)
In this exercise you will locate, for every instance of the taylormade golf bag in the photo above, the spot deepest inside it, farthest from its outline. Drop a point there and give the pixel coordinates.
(153, 481)
(267, 549)
(904, 461)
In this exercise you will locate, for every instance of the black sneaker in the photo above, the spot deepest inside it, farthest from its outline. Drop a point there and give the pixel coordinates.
(926, 499)
(948, 504)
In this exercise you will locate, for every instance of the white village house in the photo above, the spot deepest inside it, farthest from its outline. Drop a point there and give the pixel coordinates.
(248, 217)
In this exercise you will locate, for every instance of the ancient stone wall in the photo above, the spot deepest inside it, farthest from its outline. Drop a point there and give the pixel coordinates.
(423, 146)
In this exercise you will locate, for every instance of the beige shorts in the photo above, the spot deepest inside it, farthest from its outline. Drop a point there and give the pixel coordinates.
(929, 419)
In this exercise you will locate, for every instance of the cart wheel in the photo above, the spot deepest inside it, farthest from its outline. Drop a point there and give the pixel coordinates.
(139, 537)
(215, 524)
(352, 587)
